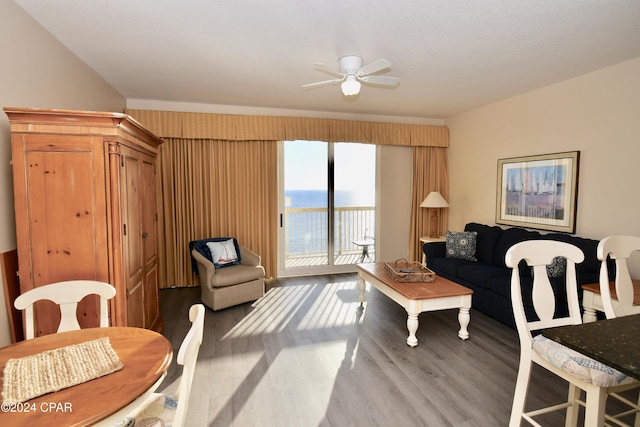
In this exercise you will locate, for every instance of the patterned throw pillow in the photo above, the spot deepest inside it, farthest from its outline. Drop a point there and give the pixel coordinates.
(461, 244)
(557, 267)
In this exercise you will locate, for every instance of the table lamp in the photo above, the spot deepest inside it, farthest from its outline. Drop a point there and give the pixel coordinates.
(434, 201)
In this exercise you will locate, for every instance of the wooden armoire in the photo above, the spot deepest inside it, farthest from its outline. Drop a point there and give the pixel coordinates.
(85, 206)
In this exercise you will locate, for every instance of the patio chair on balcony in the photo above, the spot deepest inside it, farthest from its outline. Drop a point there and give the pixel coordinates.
(364, 243)
(230, 274)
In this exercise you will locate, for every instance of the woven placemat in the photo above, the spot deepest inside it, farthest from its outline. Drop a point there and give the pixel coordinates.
(53, 370)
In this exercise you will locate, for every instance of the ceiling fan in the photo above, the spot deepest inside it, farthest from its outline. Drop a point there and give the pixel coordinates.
(352, 73)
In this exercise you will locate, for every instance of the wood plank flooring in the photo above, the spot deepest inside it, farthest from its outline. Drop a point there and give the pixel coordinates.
(307, 354)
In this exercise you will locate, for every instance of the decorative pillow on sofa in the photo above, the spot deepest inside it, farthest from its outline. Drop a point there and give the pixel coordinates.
(461, 244)
(223, 253)
(557, 267)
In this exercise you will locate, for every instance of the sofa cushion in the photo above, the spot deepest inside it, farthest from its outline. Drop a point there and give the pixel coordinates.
(508, 238)
(588, 246)
(236, 274)
(481, 273)
(449, 266)
(461, 244)
(486, 240)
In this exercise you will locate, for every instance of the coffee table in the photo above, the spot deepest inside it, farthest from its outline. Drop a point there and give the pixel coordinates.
(592, 300)
(418, 297)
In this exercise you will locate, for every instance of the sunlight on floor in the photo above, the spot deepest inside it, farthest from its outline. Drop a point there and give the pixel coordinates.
(297, 314)
(331, 305)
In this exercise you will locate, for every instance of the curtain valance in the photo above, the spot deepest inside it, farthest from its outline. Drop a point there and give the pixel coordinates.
(174, 124)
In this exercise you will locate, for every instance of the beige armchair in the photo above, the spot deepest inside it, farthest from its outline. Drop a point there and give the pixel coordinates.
(228, 285)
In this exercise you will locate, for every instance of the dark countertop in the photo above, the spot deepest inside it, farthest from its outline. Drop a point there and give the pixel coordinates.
(614, 342)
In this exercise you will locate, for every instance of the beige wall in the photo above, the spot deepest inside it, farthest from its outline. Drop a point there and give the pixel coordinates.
(393, 181)
(597, 114)
(37, 71)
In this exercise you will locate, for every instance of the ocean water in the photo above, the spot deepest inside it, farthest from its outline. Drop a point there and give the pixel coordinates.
(307, 231)
(318, 199)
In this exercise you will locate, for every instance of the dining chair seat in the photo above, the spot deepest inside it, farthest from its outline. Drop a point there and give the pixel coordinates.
(580, 366)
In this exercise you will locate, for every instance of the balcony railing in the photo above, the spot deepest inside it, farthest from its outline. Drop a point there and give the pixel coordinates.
(307, 231)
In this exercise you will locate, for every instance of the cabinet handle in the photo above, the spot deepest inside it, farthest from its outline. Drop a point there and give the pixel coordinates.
(145, 235)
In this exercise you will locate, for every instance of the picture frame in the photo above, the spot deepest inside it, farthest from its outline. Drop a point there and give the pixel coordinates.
(539, 191)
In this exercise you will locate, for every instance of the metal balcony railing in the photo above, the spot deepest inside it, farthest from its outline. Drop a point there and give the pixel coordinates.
(307, 229)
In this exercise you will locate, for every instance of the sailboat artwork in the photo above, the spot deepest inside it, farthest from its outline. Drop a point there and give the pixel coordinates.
(538, 191)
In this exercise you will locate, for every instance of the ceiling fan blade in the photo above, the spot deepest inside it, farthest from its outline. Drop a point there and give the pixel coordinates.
(380, 80)
(374, 67)
(323, 67)
(320, 84)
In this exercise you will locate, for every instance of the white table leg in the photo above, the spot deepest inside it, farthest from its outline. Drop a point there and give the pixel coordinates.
(362, 287)
(589, 315)
(463, 318)
(412, 326)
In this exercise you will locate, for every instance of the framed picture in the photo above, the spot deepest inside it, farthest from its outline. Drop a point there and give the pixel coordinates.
(539, 191)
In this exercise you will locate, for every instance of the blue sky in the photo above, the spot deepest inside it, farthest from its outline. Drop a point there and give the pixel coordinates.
(306, 166)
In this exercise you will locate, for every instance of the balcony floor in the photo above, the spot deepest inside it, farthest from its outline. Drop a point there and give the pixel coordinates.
(345, 258)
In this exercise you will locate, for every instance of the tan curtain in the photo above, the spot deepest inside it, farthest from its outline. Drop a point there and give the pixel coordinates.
(174, 124)
(215, 188)
(430, 173)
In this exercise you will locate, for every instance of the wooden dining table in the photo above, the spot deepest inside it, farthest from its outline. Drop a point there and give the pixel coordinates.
(145, 356)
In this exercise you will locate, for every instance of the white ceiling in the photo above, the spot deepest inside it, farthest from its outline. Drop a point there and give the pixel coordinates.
(451, 55)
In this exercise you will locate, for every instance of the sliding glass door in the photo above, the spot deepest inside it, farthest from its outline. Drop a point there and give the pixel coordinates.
(327, 216)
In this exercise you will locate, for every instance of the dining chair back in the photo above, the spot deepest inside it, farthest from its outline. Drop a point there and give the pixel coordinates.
(67, 295)
(618, 249)
(187, 357)
(167, 409)
(581, 372)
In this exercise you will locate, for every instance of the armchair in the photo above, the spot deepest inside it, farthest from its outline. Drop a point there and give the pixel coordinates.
(233, 282)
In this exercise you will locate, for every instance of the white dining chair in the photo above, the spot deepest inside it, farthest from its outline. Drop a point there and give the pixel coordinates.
(166, 409)
(594, 378)
(67, 295)
(618, 249)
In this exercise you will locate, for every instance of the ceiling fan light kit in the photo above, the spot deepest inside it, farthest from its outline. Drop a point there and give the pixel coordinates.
(351, 86)
(352, 74)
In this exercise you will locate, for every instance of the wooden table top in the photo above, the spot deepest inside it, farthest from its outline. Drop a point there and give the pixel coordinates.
(145, 356)
(595, 288)
(439, 288)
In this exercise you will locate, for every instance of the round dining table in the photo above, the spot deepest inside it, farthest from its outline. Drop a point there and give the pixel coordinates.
(145, 356)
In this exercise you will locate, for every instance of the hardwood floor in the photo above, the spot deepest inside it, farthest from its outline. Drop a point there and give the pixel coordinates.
(307, 354)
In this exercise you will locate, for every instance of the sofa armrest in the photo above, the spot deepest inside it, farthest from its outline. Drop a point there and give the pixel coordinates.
(205, 267)
(434, 250)
(248, 257)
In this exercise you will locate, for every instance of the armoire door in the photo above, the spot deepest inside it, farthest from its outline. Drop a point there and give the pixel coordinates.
(150, 245)
(141, 240)
(61, 227)
(132, 220)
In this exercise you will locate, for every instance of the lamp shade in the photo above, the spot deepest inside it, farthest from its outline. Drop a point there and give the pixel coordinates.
(434, 200)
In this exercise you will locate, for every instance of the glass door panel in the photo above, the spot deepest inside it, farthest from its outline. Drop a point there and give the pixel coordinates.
(306, 195)
(354, 203)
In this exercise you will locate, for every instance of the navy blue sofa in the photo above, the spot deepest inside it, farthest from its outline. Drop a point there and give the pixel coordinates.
(489, 277)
